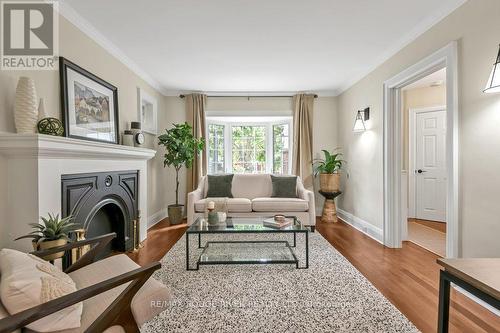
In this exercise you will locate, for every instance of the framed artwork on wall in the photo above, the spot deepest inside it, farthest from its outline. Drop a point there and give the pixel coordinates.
(147, 107)
(89, 104)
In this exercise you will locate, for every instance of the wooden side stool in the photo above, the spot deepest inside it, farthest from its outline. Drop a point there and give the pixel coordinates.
(329, 214)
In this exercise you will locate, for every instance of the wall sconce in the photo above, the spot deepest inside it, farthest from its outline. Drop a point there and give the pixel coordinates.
(361, 117)
(493, 85)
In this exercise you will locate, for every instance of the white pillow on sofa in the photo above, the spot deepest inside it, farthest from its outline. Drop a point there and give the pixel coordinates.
(27, 281)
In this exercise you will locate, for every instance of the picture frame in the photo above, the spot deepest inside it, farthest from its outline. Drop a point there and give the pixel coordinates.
(147, 108)
(89, 104)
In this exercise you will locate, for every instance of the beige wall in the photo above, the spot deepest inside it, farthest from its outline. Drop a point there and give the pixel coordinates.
(419, 98)
(474, 25)
(80, 49)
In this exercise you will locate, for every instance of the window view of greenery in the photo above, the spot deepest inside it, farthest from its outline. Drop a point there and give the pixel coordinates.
(215, 149)
(281, 151)
(249, 149)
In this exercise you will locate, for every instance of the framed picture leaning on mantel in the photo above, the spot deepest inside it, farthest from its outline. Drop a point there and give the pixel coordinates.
(89, 104)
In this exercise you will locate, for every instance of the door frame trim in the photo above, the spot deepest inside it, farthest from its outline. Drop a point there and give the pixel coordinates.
(412, 114)
(393, 123)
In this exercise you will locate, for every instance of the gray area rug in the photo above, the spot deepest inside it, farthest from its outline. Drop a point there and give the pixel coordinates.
(330, 296)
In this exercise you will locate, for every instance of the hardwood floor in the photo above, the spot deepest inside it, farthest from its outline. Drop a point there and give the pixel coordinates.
(161, 237)
(439, 226)
(408, 277)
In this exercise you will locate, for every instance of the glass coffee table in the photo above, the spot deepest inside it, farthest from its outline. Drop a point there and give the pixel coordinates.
(248, 251)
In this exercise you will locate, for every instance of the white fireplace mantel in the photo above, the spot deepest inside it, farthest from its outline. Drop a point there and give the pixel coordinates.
(48, 146)
(32, 165)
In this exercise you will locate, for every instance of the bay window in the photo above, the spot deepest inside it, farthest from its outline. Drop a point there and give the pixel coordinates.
(249, 145)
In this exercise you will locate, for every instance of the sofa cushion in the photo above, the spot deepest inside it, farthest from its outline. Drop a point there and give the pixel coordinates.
(279, 205)
(143, 303)
(28, 281)
(219, 186)
(284, 186)
(234, 205)
(252, 186)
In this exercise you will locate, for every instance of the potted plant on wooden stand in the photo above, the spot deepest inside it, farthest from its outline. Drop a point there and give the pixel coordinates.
(329, 171)
(181, 147)
(52, 233)
(329, 180)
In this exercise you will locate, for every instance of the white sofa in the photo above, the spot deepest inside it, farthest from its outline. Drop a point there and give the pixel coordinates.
(252, 197)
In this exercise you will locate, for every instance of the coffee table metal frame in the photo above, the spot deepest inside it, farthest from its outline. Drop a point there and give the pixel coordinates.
(215, 230)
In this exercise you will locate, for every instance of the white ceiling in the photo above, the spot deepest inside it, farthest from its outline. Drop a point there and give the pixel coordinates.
(436, 78)
(255, 45)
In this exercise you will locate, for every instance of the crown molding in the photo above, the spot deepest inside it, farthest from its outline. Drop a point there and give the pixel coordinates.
(416, 32)
(81, 23)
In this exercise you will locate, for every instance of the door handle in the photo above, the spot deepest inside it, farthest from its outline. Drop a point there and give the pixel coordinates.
(421, 171)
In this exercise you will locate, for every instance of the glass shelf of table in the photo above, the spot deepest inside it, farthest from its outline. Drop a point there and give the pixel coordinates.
(265, 252)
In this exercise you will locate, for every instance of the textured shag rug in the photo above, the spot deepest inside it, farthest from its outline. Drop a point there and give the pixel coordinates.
(330, 296)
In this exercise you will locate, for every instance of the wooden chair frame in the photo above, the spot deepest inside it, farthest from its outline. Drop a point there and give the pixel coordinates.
(117, 313)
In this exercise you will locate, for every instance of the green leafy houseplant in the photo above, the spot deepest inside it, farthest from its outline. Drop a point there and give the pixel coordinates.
(332, 163)
(329, 171)
(181, 147)
(51, 233)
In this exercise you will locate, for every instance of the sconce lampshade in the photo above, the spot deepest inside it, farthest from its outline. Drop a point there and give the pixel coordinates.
(493, 85)
(359, 122)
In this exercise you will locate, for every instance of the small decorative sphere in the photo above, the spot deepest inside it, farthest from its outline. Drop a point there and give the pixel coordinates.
(50, 126)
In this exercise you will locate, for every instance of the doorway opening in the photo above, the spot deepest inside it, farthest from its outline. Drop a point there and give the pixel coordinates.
(396, 175)
(424, 161)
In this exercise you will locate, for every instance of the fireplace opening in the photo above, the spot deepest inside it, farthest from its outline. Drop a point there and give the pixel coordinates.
(102, 203)
(108, 218)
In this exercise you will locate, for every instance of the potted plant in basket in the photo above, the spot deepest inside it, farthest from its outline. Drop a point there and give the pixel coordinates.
(52, 233)
(329, 171)
(181, 147)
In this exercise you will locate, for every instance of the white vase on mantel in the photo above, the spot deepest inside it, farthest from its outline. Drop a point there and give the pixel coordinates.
(41, 110)
(26, 106)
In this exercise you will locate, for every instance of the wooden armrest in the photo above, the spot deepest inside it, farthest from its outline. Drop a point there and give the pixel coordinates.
(99, 243)
(106, 319)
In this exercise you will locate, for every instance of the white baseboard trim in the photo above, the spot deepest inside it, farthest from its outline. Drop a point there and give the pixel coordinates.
(365, 227)
(157, 217)
(476, 299)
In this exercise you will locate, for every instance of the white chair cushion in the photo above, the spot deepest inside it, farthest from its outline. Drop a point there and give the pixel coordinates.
(234, 205)
(5, 314)
(144, 304)
(27, 281)
(279, 205)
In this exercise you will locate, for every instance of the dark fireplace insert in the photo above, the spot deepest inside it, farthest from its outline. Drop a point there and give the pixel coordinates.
(104, 202)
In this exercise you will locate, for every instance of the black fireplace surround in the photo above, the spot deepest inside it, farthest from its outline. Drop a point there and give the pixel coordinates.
(103, 202)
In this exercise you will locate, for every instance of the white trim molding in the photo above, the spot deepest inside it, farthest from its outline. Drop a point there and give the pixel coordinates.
(405, 40)
(445, 57)
(70, 14)
(365, 227)
(157, 217)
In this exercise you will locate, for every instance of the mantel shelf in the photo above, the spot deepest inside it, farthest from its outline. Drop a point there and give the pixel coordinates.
(47, 146)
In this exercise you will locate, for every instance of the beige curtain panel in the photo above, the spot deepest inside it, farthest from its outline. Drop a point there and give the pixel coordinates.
(195, 111)
(302, 138)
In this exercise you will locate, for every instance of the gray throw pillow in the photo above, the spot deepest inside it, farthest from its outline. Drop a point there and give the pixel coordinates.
(284, 186)
(219, 186)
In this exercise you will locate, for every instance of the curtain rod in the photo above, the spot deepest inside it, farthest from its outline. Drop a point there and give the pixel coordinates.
(229, 96)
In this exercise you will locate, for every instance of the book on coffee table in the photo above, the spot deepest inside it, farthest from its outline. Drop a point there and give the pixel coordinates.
(271, 223)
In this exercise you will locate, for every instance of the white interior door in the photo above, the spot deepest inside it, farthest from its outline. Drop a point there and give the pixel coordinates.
(430, 165)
